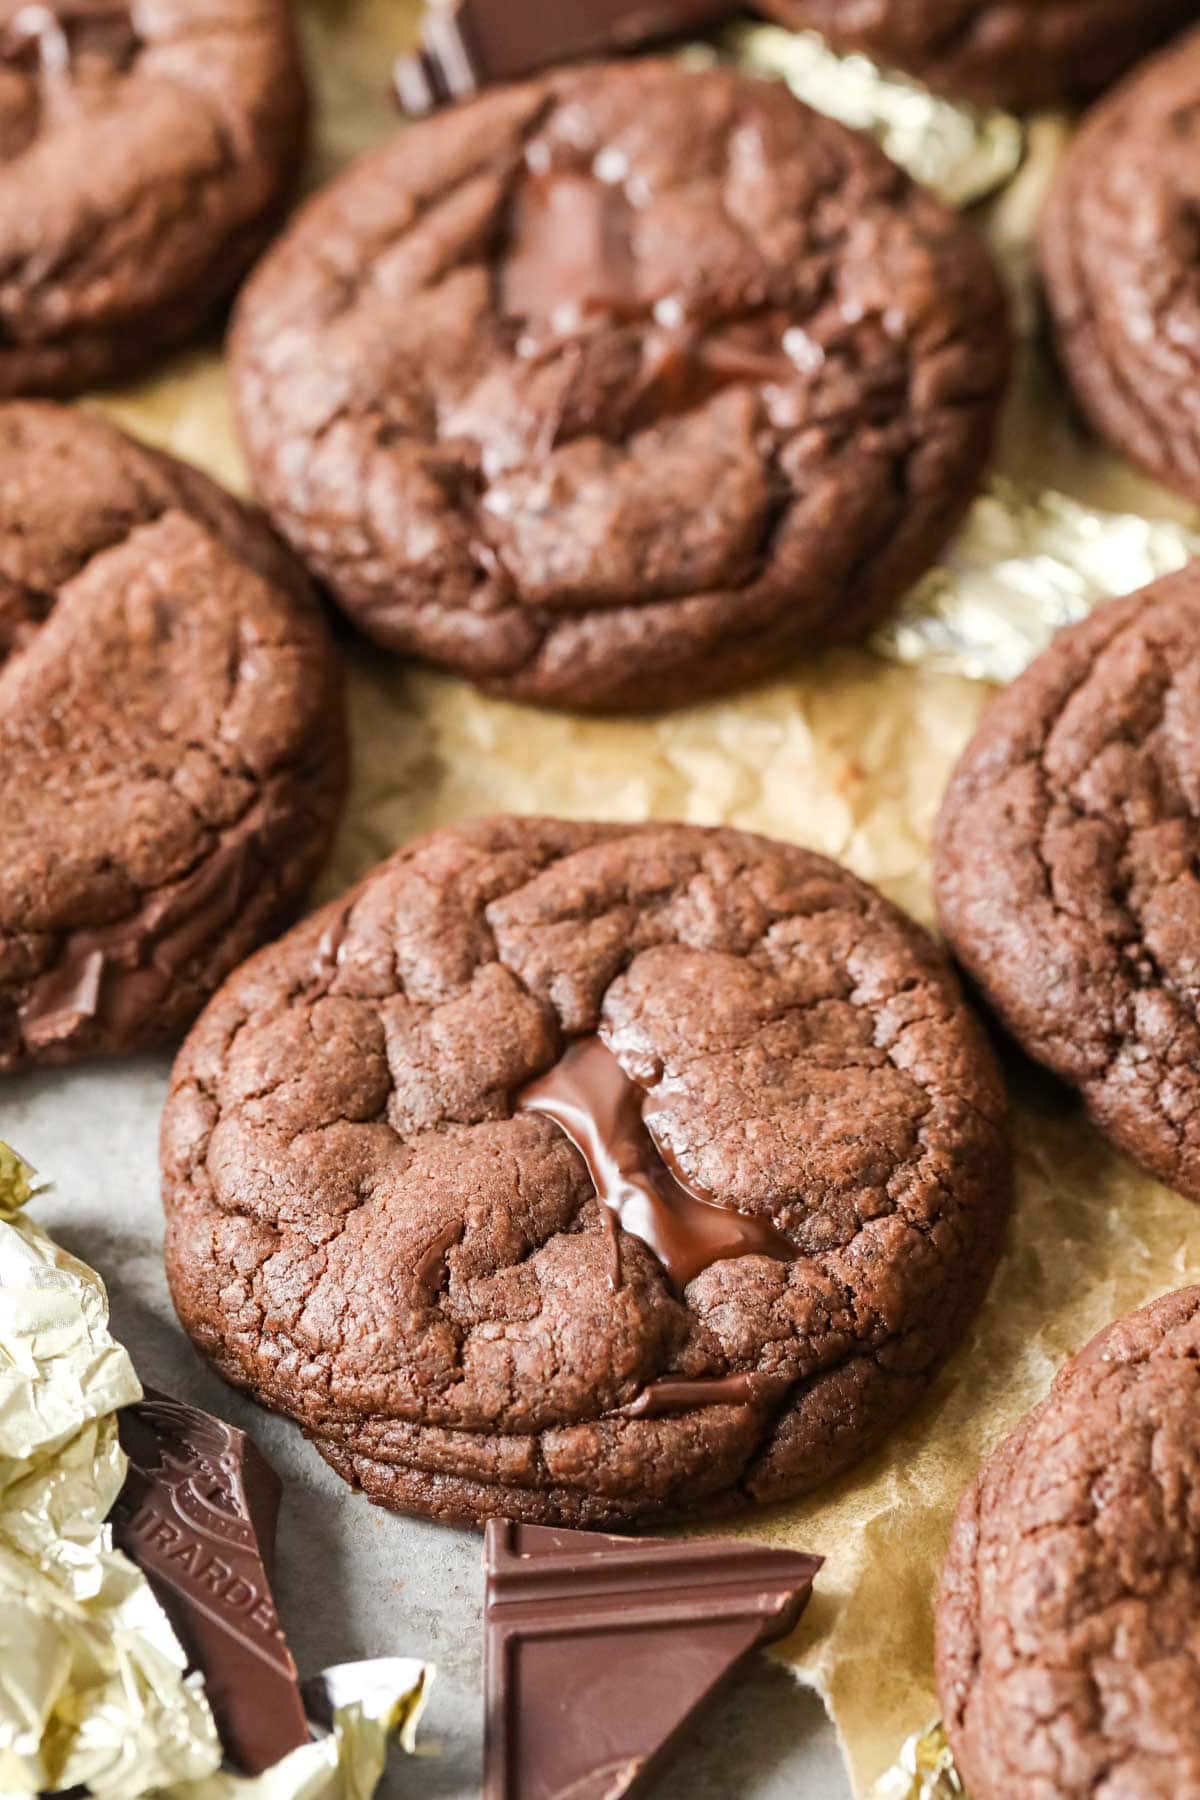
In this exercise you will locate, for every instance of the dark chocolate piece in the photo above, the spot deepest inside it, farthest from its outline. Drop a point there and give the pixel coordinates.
(197, 1514)
(599, 1650)
(118, 973)
(51, 36)
(466, 46)
(589, 1096)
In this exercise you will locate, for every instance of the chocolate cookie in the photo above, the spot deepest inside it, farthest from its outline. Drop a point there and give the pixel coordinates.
(1119, 255)
(1068, 1660)
(1066, 862)
(144, 154)
(586, 1173)
(621, 386)
(1009, 52)
(171, 751)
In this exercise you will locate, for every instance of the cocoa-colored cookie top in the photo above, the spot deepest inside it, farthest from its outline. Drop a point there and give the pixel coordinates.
(171, 748)
(374, 1226)
(622, 385)
(1066, 862)
(144, 149)
(1011, 52)
(1068, 1660)
(1118, 253)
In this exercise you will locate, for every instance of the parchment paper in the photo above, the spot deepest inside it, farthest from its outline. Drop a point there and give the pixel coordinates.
(848, 754)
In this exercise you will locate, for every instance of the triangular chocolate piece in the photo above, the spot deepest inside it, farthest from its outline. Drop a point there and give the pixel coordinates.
(197, 1514)
(599, 1650)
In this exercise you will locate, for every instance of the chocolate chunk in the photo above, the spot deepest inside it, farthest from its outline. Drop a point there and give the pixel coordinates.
(464, 47)
(197, 1514)
(599, 1650)
(55, 38)
(117, 975)
(591, 1098)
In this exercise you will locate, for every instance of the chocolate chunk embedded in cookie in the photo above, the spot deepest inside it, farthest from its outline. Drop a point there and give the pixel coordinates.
(145, 151)
(1011, 52)
(1068, 1661)
(587, 1173)
(622, 386)
(171, 745)
(1120, 256)
(1066, 868)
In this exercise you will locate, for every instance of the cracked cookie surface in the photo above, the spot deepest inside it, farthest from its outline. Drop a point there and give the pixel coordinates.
(366, 1231)
(1119, 256)
(620, 386)
(171, 740)
(1005, 52)
(1068, 1662)
(145, 152)
(1065, 868)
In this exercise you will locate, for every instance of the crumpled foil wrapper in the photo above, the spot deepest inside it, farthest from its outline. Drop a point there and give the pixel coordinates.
(963, 153)
(94, 1690)
(1027, 563)
(924, 1770)
(848, 753)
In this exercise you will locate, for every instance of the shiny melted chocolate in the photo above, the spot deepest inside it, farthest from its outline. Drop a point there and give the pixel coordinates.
(599, 1108)
(662, 1398)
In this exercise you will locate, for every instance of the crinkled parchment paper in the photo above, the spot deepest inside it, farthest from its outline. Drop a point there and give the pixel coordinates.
(849, 754)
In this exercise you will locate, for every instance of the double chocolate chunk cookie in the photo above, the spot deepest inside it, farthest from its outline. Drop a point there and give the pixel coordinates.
(171, 746)
(145, 150)
(621, 386)
(587, 1173)
(1011, 52)
(1066, 868)
(1068, 1660)
(1121, 260)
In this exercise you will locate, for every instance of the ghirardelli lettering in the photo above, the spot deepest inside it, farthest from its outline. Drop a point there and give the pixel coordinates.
(197, 1514)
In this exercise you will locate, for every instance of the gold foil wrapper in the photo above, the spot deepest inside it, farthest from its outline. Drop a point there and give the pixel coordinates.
(93, 1686)
(924, 1770)
(964, 153)
(94, 1690)
(1026, 564)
